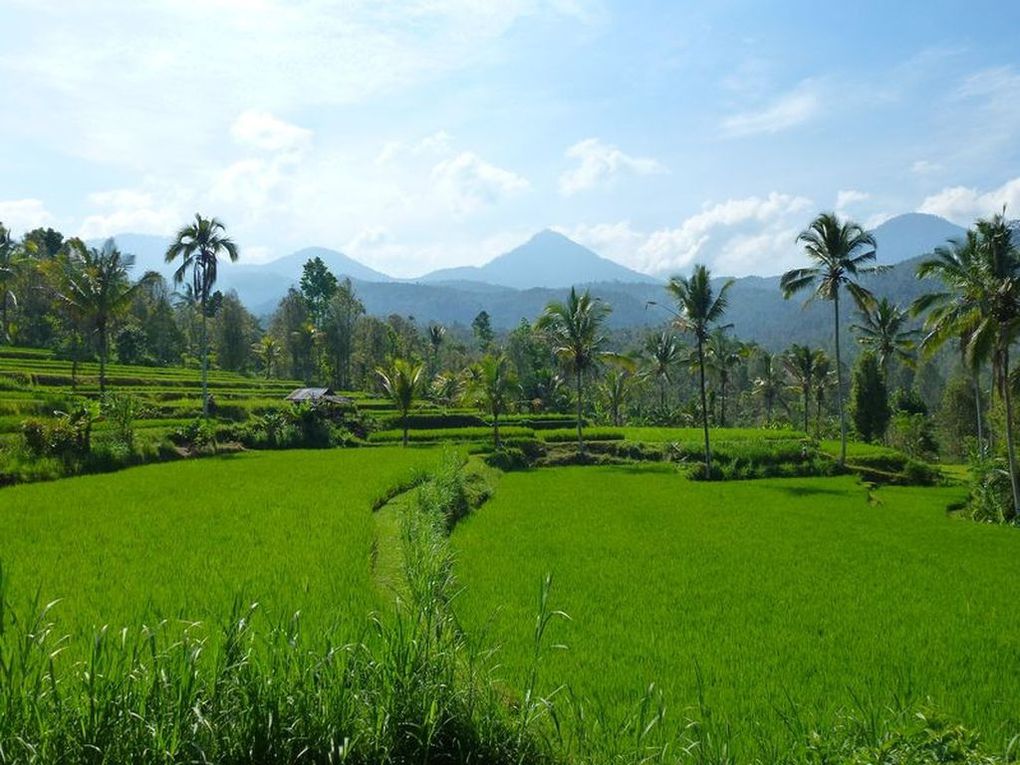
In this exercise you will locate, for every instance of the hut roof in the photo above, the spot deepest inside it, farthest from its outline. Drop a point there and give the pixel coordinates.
(316, 395)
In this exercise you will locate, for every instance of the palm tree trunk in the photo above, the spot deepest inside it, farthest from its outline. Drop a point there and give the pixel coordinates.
(722, 404)
(977, 410)
(1007, 397)
(102, 360)
(495, 428)
(3, 295)
(205, 365)
(403, 422)
(704, 410)
(839, 389)
(807, 404)
(580, 439)
(662, 394)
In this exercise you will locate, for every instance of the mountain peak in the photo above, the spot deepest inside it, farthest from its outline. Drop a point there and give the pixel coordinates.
(911, 234)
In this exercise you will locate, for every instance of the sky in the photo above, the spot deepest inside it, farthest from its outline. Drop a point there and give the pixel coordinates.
(423, 134)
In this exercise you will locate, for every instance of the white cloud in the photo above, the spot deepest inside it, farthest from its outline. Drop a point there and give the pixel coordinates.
(847, 197)
(468, 183)
(133, 211)
(789, 110)
(21, 215)
(599, 162)
(436, 144)
(925, 167)
(963, 205)
(261, 130)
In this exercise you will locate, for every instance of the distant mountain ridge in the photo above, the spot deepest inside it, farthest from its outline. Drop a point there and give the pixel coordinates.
(549, 259)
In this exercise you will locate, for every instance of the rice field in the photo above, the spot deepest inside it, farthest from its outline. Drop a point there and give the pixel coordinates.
(767, 598)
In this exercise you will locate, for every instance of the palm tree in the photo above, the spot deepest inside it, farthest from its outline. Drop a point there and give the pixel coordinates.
(883, 332)
(664, 353)
(12, 257)
(616, 388)
(489, 383)
(840, 252)
(268, 352)
(723, 355)
(94, 287)
(981, 307)
(199, 246)
(768, 385)
(437, 332)
(824, 382)
(402, 383)
(803, 365)
(575, 330)
(698, 308)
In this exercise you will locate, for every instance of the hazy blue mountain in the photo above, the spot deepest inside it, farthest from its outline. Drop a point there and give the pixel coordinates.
(341, 265)
(548, 259)
(907, 236)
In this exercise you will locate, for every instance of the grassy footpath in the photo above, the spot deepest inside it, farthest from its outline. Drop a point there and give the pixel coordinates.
(781, 592)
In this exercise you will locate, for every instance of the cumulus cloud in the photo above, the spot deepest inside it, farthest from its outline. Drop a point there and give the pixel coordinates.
(962, 204)
(261, 130)
(735, 237)
(599, 162)
(436, 144)
(787, 111)
(847, 197)
(468, 183)
(133, 211)
(21, 215)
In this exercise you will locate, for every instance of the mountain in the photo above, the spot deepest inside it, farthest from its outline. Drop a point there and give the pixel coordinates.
(907, 236)
(548, 259)
(290, 266)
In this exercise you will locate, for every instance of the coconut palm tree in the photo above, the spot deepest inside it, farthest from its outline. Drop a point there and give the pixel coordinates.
(616, 388)
(883, 331)
(490, 383)
(12, 258)
(825, 381)
(402, 383)
(724, 354)
(664, 354)
(768, 385)
(94, 287)
(436, 335)
(980, 306)
(840, 252)
(803, 367)
(198, 247)
(698, 308)
(268, 351)
(574, 328)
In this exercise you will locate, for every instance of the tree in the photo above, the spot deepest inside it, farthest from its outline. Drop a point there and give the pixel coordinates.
(664, 354)
(574, 328)
(318, 285)
(337, 332)
(824, 382)
(292, 326)
(482, 327)
(436, 334)
(883, 331)
(489, 384)
(768, 384)
(12, 258)
(980, 306)
(199, 247)
(840, 252)
(803, 365)
(94, 288)
(402, 383)
(235, 332)
(698, 308)
(723, 354)
(616, 388)
(268, 351)
(869, 399)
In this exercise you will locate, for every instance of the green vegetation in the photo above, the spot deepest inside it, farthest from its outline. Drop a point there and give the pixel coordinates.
(786, 597)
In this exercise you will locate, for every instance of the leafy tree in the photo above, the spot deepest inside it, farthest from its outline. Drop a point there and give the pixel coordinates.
(980, 307)
(825, 381)
(402, 383)
(698, 308)
(337, 330)
(291, 325)
(268, 352)
(12, 259)
(94, 288)
(883, 331)
(490, 383)
(198, 247)
(575, 328)
(869, 399)
(318, 285)
(235, 330)
(131, 342)
(769, 384)
(840, 252)
(616, 388)
(664, 353)
(436, 334)
(482, 327)
(802, 365)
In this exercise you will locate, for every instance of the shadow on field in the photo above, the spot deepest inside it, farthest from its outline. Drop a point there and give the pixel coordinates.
(807, 491)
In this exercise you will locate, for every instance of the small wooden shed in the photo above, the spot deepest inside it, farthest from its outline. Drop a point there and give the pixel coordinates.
(317, 396)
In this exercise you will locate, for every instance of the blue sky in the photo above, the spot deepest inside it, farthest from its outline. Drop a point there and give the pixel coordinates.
(432, 133)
